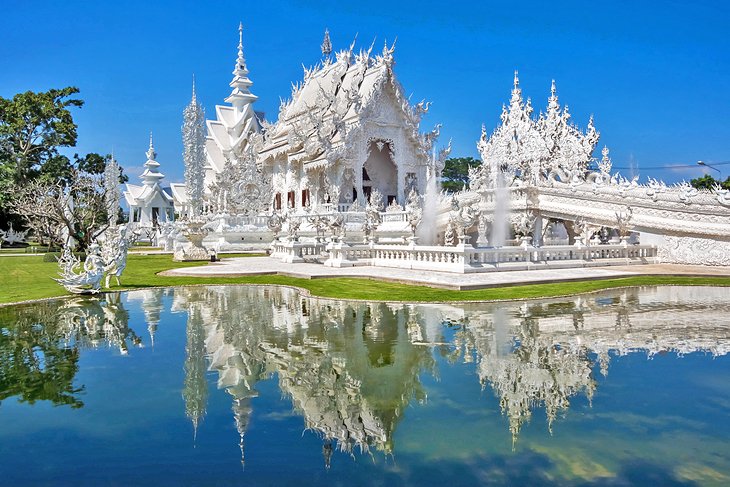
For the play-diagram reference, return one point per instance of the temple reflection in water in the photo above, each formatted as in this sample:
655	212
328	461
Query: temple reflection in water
351	368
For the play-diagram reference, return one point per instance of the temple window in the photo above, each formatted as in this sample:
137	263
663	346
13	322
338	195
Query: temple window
290	199
277	201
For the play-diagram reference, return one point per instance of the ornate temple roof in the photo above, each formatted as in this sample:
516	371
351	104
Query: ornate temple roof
229	134
334	96
140	195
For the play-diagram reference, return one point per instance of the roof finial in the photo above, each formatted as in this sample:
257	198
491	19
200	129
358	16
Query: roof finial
517	79
552	89
151	145
240	35
326	44
194	97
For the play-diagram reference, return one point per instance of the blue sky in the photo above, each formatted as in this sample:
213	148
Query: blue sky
656	75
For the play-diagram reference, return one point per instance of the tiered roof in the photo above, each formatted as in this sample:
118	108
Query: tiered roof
333	98
229	134
139	195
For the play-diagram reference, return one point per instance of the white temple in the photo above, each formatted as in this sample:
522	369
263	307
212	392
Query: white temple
149	203
539	199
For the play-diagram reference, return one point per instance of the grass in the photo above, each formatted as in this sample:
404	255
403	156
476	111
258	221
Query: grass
27	278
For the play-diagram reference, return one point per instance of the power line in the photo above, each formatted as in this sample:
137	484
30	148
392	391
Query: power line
674	166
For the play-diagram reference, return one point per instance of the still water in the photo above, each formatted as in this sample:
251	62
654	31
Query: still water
227	385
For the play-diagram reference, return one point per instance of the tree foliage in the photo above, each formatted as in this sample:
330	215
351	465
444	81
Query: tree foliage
32	128
35	178
456	172
708	182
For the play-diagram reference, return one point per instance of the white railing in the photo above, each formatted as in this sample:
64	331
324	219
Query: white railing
468	259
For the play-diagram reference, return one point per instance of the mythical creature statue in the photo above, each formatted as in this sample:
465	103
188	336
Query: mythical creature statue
293	228
524	224
336	224
623	221
12	236
462	216
318	221
723	195
450	234
372	214
86	281
114	253
414	211
275	223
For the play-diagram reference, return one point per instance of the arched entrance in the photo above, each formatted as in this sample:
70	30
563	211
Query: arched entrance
379	171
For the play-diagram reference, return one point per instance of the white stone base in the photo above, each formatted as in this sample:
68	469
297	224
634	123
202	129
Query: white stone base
690	250
188	254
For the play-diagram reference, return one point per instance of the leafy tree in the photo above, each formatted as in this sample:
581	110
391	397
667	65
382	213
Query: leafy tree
456	172
708	182
32	128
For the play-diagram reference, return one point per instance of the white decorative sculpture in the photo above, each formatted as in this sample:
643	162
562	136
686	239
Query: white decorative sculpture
114	253
12	236
372	215
414	214
195	231
193	132
112	194
523	225
77	281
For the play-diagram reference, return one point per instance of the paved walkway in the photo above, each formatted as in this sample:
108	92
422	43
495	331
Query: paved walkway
251	266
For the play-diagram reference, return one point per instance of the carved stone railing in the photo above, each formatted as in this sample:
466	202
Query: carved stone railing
464	259
293	251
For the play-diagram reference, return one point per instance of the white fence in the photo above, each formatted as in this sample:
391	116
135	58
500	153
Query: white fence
463	258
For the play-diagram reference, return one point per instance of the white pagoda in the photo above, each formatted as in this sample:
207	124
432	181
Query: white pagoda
149	203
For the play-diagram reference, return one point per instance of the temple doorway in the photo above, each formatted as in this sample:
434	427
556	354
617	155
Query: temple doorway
379	171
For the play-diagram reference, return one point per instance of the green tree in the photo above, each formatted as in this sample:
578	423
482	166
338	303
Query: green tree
32	128
456	172
708	182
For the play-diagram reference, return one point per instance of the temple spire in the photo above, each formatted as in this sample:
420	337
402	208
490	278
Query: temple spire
240	39
151	174
241	95
326	44
553	105
151	154
516	91
194	98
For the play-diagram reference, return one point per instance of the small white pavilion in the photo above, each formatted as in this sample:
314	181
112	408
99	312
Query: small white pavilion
149	203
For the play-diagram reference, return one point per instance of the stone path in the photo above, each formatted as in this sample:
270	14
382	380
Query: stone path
251	266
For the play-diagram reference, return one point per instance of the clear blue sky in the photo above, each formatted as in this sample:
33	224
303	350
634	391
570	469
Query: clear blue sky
656	75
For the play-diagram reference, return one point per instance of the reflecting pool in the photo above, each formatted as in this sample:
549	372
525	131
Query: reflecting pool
226	385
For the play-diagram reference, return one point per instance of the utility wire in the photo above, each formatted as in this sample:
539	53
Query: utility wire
709	164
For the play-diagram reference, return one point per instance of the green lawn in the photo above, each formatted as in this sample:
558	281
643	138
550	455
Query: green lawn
26	278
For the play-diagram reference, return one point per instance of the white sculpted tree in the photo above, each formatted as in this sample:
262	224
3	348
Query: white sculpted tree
112	195
66	212
193	134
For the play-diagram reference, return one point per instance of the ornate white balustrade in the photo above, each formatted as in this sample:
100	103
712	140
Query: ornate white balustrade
463	258
293	251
